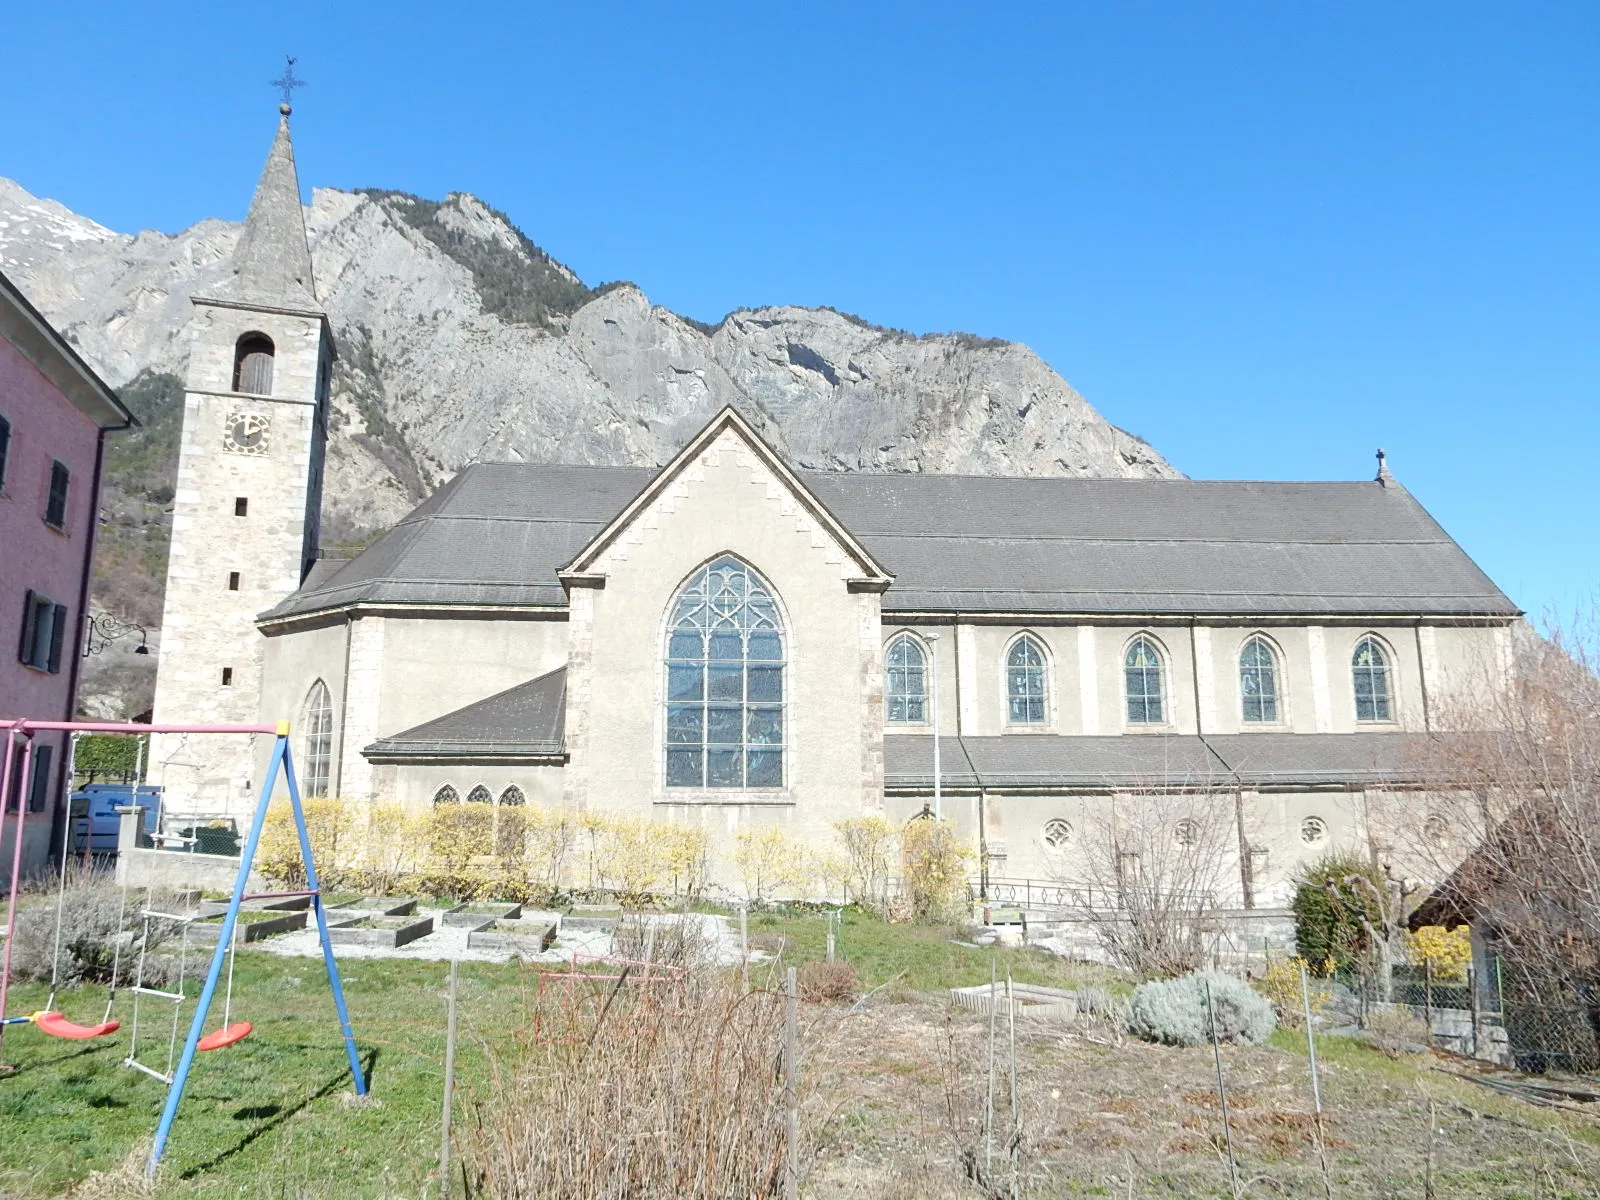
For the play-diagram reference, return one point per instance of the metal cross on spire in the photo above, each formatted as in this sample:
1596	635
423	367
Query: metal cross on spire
287	83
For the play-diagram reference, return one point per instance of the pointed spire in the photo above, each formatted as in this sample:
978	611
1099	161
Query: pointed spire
272	262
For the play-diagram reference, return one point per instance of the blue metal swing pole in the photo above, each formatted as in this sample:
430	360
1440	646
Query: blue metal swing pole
280	755
315	888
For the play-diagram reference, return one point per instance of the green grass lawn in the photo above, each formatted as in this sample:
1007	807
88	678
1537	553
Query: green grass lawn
268	1116
922	958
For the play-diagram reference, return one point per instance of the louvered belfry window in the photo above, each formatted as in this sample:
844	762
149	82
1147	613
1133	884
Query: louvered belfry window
252	365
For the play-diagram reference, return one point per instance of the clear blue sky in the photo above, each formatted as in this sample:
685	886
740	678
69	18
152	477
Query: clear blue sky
1267	237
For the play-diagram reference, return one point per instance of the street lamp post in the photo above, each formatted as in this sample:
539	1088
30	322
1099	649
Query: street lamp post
938	796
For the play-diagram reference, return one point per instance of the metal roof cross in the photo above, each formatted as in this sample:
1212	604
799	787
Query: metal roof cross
287	82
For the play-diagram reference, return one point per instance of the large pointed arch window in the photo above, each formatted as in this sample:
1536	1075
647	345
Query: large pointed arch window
1141	671
1369	669
907	681
1258	682
1025	683
318	740
725	686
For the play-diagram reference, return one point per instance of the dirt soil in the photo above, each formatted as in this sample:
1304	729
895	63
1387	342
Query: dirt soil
896	1097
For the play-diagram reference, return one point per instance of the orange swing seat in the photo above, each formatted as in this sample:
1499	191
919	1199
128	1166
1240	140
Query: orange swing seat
57	1025
225	1036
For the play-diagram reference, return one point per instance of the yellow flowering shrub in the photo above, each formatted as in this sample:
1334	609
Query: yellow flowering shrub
1446	951
1281	985
329	822
935	862
769	861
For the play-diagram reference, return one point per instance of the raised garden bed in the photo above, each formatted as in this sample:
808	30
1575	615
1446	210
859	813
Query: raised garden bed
481	915
592	916
388	932
526	938
1027	1000
384	906
253	923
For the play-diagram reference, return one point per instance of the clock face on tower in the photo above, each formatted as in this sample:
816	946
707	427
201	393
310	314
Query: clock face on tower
246	433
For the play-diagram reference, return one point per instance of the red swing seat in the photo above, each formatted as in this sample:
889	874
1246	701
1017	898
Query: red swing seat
225	1036
57	1025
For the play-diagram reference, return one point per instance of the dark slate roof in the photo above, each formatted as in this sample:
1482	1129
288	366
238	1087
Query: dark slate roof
497	533
1134	760
527	721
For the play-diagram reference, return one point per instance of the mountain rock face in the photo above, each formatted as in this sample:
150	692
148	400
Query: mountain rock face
460	340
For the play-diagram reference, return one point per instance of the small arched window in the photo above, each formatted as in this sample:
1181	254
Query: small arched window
446	795
252	365
1025	683
1258	681
1369	669
907	682
317	744
480	795
510	823
1141	670
725	681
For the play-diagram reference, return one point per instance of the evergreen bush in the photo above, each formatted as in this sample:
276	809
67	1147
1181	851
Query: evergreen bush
1328	930
1175	1011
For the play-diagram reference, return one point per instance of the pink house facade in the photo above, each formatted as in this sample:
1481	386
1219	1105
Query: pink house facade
54	415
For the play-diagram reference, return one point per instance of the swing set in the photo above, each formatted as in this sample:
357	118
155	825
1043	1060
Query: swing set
51	1021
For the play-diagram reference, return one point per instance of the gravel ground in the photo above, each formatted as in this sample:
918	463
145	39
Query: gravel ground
444	943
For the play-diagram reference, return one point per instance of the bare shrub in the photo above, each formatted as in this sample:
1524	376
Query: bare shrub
666	1090
1150	875
93	921
675	940
820	982
1396	1032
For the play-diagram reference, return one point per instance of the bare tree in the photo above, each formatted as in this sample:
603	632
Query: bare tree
1524	798
1150	874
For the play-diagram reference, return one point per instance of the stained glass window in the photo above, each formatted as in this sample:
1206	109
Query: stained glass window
1369	667
1025	692
1258	681
725	687
907	682
1141	669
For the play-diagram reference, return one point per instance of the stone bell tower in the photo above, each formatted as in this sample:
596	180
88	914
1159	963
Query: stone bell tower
249	491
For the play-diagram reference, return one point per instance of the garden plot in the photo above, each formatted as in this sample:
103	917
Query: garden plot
380	931
253	924
526	938
480	915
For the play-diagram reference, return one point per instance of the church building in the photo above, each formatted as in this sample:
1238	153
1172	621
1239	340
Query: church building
729	641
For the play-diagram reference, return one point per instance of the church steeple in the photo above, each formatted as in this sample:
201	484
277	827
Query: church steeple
272	262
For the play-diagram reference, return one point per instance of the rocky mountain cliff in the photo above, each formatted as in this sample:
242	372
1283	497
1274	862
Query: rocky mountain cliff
459	340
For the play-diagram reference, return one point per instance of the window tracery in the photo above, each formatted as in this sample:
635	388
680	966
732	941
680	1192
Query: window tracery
725	681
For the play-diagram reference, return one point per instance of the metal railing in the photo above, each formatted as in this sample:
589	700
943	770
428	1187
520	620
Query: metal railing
1053	894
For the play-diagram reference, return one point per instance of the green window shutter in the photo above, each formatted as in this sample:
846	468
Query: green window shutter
58	631
40	789
25	646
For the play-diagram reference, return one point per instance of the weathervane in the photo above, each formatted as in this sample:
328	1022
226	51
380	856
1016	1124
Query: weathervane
287	82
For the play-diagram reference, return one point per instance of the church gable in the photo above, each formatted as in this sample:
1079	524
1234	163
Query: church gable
728	441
